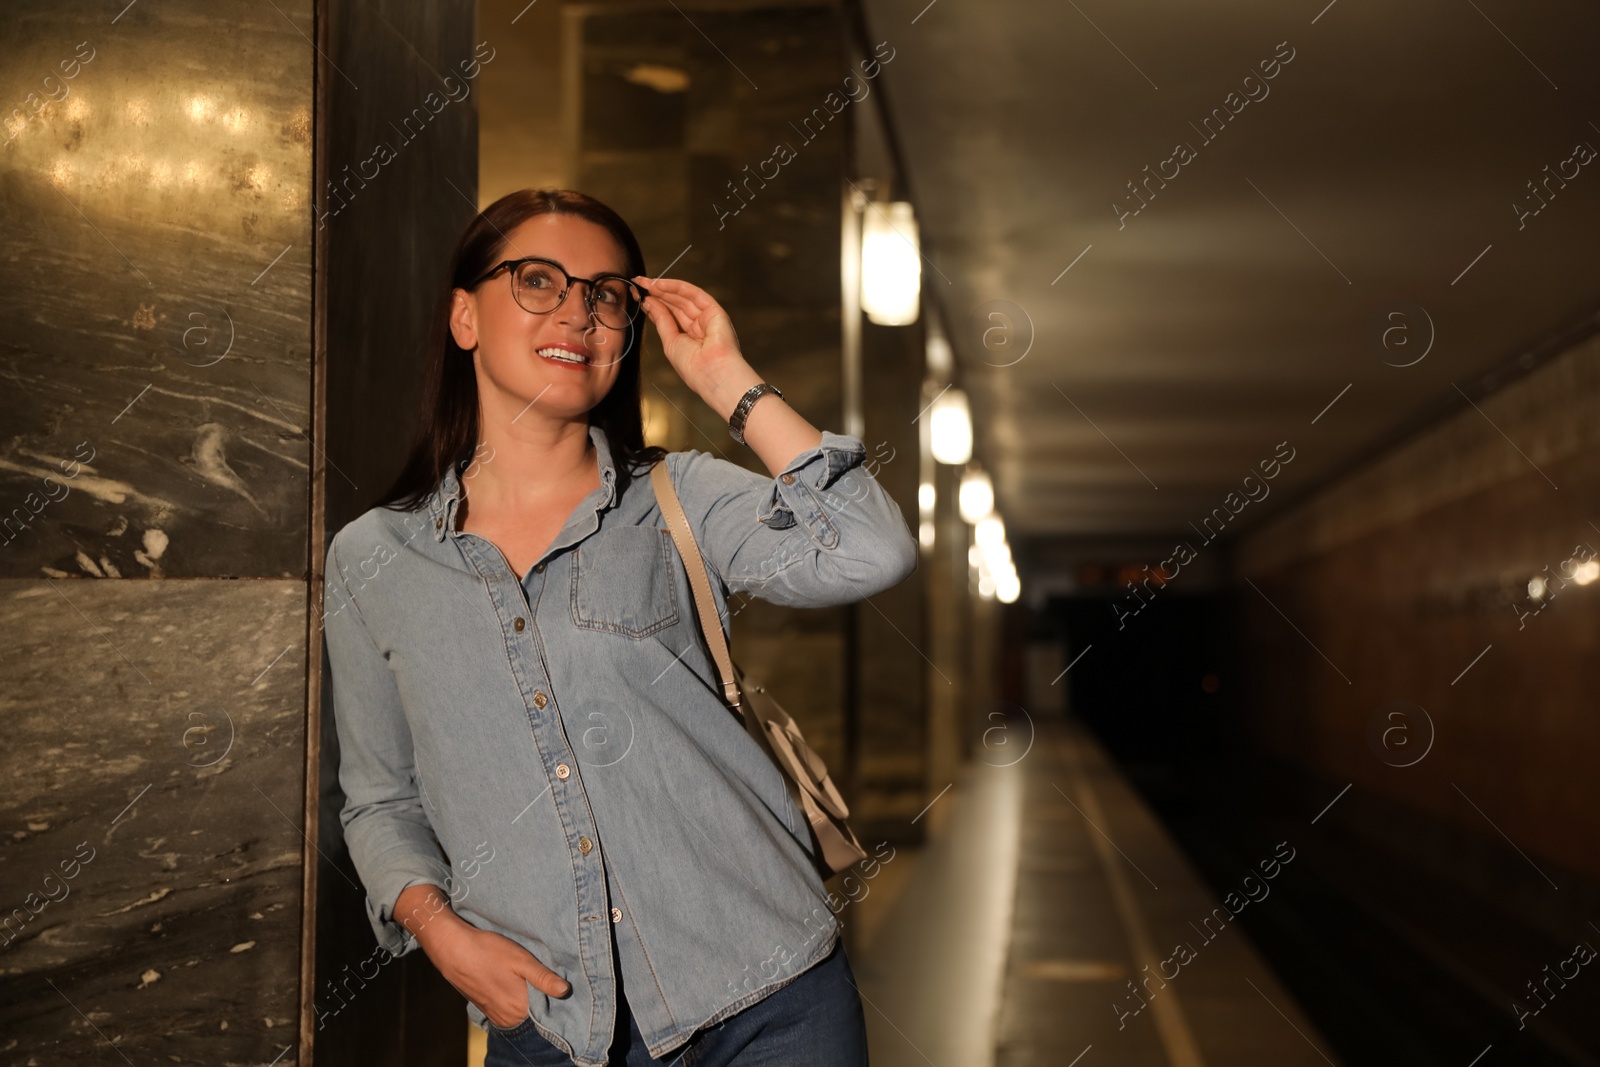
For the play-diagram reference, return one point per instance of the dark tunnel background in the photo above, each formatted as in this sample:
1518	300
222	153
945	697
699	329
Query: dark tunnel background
1386	978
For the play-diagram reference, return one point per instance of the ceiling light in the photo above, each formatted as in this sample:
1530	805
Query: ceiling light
990	532
891	264
976	498
951	428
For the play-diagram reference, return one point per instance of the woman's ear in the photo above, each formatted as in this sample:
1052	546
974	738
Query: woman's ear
464	319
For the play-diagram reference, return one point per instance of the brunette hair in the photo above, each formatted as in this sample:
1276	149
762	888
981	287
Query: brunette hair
447	424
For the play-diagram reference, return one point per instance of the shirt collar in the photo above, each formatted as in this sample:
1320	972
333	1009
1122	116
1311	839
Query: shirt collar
448	494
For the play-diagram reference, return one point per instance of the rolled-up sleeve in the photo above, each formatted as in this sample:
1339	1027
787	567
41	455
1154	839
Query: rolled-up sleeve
822	532
390	839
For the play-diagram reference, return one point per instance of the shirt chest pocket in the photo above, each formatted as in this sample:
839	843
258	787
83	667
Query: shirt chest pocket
622	582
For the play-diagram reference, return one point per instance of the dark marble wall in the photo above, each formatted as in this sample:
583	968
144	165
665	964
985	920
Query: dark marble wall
155	291
155	295
399	184
1411	577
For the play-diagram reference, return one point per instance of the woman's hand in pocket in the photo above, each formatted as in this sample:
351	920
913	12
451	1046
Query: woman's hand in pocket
493	972
487	968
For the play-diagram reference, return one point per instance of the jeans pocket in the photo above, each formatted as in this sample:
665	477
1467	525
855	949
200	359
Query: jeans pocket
623	582
522	1046
511	1031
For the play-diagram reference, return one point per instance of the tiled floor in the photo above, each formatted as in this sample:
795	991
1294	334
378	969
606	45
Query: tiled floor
1051	920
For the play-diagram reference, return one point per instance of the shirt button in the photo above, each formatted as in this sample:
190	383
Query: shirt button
788	479
585	845
616	915
540	700
438	524
538	568
519	623
562	771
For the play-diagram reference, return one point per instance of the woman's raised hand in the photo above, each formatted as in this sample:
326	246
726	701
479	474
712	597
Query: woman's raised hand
696	333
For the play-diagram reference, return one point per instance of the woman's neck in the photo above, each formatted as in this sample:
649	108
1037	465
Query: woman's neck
528	462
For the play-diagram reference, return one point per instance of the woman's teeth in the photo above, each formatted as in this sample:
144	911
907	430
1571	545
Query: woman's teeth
563	355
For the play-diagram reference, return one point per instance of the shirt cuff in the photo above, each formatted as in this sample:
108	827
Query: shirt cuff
391	933
817	468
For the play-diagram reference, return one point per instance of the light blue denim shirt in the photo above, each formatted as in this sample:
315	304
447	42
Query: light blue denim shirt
490	728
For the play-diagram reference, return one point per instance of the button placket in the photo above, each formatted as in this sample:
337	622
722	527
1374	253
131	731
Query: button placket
571	806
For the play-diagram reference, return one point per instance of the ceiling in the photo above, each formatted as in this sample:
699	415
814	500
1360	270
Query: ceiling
1375	174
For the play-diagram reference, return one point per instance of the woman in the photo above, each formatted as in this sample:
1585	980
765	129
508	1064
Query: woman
545	789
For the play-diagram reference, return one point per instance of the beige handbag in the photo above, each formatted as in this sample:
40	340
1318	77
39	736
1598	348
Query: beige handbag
835	844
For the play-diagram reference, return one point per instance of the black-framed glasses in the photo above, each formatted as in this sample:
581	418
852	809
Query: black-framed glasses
541	285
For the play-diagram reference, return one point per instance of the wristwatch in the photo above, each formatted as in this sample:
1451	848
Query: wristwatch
741	411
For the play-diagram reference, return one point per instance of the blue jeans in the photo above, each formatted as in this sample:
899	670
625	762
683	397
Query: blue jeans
815	1019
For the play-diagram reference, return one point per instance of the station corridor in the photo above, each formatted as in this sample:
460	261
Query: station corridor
529	521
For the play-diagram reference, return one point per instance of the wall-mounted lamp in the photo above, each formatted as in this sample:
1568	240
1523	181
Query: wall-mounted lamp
891	264
976	496
951	425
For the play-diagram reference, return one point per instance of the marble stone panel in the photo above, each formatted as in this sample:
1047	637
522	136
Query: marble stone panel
155	183
150	829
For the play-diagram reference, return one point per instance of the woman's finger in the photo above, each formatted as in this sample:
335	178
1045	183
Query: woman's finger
661	315
545	980
686	316
689	291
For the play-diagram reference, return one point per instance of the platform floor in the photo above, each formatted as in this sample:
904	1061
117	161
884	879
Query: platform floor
1050	919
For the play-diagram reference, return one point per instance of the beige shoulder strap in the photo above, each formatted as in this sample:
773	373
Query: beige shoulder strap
705	603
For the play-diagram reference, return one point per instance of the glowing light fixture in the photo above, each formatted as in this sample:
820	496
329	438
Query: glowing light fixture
1586	572
951	428
976	499
891	264
990	533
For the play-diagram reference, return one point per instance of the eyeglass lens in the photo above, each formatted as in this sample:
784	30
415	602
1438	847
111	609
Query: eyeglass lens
540	288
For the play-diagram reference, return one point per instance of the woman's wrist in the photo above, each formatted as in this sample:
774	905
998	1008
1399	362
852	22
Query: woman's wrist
425	911
727	386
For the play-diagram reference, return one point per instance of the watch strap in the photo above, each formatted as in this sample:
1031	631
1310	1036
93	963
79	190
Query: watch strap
741	411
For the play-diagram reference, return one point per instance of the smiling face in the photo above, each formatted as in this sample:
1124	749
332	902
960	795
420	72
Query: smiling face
518	354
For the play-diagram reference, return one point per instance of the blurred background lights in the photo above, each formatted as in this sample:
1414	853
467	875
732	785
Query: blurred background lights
951	428
1586	572
200	108
138	111
891	264
1536	587
976	497
989	532
77	109
236	120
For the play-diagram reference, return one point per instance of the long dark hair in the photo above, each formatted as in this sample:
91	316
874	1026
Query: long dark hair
447	424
